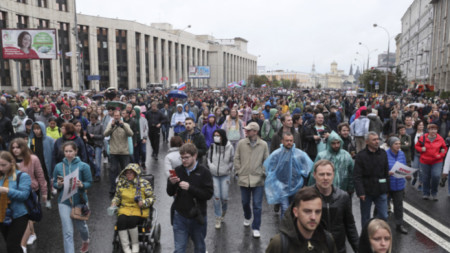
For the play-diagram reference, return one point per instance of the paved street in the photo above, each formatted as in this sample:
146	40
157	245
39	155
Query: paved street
233	237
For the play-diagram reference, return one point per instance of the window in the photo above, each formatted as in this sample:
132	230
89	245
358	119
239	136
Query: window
42	3
62	5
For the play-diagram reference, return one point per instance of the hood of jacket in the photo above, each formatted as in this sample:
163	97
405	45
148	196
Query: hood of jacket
372	116
225	109
132	166
223	136
23	111
333	137
273	111
41	126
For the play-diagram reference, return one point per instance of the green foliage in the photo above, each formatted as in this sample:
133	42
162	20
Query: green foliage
319	86
396	81
445	94
258	80
430	94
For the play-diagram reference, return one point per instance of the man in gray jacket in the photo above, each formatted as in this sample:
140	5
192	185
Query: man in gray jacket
248	164
359	128
118	147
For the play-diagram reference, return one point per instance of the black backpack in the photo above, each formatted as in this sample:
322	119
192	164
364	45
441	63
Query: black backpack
32	203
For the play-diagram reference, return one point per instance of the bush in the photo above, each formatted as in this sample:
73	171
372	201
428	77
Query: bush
430	94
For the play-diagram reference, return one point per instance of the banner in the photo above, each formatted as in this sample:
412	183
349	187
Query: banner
70	185
29	43
199	72
400	170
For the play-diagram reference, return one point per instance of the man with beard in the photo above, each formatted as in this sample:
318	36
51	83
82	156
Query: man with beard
300	230
315	136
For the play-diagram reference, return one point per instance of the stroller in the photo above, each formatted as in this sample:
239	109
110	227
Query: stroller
149	230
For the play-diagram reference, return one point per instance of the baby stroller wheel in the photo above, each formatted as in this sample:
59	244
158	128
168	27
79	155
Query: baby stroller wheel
157	234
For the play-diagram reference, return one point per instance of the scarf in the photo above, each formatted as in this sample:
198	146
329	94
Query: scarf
4	201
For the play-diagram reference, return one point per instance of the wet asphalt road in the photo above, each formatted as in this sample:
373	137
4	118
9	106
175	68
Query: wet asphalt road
233	236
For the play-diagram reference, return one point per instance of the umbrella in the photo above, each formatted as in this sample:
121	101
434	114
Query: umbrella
158	88
116	104
216	91
98	96
177	94
418	105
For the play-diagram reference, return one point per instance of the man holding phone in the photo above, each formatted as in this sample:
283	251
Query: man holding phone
191	184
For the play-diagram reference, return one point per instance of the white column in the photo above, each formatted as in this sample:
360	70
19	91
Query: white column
93	56
166	60
185	64
159	73
172	78
131	59
112	57
151	58
142	61
179	72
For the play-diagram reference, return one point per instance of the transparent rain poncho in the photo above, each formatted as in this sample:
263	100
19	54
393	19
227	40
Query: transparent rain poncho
286	172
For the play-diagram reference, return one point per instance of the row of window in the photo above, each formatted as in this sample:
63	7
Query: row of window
62	4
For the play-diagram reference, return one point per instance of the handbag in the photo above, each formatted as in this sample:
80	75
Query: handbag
79	212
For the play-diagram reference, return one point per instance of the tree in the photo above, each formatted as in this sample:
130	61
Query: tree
396	81
318	86
258	80
285	83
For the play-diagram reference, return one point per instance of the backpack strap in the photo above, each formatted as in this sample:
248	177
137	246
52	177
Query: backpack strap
284	243
18	179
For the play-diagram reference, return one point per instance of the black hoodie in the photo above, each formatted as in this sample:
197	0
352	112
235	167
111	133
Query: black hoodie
6	127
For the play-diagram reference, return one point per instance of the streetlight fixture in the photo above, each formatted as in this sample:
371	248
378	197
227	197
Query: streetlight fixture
387	56
368	52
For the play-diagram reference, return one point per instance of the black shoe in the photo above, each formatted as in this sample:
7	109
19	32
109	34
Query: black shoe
276	208
414	181
112	193
401	229
96	179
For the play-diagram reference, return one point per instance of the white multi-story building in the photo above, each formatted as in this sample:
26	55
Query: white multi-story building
440	51
124	53
414	42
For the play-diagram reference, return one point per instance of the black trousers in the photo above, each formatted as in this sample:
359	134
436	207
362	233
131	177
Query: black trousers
153	135
397	199
128	222
13	234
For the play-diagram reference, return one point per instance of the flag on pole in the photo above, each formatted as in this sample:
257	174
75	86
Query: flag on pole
263	86
182	86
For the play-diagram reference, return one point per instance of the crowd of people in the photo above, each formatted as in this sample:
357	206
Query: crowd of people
309	152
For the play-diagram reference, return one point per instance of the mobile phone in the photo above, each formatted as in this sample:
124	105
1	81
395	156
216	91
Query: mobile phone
173	173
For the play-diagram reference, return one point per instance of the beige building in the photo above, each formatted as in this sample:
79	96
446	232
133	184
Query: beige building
123	53
440	52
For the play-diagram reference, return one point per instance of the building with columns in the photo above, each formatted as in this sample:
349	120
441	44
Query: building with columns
125	54
440	51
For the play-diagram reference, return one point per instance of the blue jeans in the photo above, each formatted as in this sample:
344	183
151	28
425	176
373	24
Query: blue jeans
183	228
165	131
98	161
416	165
246	195
284	205
380	204
430	177
221	186
67	228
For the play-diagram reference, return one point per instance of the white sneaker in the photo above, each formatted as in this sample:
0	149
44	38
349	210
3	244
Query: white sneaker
48	204
246	222
31	239
256	233
54	191
218	222
24	249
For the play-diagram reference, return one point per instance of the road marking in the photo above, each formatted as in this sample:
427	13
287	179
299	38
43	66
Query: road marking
427	232
445	230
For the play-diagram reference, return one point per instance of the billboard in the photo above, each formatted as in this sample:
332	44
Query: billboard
199	72
29	43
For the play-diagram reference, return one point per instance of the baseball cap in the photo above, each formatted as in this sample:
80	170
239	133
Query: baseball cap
252	126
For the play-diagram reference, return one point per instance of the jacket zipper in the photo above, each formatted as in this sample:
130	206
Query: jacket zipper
328	212
218	164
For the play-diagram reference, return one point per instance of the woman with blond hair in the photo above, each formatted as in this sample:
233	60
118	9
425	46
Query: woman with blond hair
376	237
14	189
234	127
30	164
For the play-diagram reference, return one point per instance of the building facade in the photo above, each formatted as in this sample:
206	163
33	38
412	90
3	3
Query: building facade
440	52
125	54
385	62
414	42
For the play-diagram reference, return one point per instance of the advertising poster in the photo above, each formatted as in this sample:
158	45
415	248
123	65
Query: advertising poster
199	72
29	43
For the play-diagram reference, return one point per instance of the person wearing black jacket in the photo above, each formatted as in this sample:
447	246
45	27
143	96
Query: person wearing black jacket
6	127
390	127
337	216
192	187
255	118
288	126
195	136
155	120
315	136
371	177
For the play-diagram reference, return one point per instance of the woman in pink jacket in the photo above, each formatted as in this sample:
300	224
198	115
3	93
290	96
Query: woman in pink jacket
31	165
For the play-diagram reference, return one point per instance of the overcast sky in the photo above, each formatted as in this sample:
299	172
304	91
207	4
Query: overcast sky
286	34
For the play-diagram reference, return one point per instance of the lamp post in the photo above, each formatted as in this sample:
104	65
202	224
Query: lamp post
368	53
387	56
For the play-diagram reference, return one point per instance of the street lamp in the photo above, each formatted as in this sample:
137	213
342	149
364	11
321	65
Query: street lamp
387	56
368	52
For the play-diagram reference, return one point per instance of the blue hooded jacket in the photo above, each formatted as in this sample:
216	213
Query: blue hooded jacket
208	131
83	120
191	114
47	143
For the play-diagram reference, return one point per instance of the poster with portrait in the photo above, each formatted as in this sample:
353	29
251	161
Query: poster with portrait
401	171
29	43
70	185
